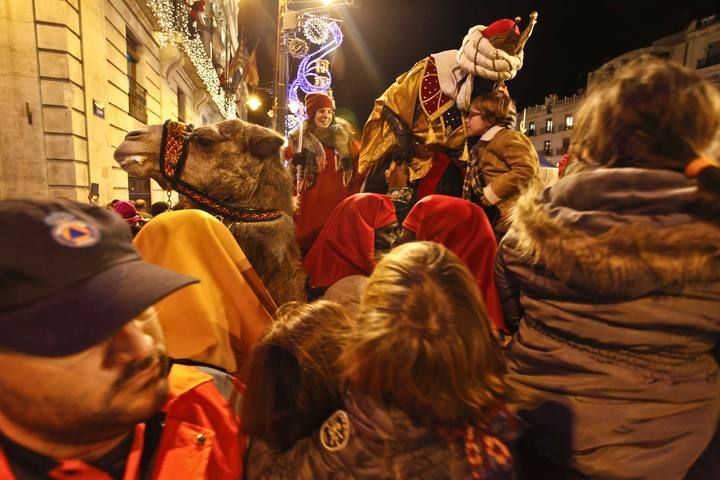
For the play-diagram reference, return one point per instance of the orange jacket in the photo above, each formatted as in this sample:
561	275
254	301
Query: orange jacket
201	438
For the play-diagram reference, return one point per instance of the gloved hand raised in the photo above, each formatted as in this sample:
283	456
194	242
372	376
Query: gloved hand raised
299	158
403	149
404	146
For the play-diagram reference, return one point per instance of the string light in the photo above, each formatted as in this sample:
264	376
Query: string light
316	30
173	20
298	47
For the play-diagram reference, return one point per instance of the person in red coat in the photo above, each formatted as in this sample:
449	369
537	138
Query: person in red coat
347	244
325	168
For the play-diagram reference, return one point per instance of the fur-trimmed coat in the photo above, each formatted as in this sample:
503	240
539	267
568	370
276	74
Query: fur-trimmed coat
617	289
328	176
336	139
503	163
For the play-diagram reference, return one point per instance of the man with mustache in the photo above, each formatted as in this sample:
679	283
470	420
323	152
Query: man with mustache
86	388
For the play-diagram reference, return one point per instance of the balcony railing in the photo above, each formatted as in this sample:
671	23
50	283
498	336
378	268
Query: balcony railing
708	61
137	97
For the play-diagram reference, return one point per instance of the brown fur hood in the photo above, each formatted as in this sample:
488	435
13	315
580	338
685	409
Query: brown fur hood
622	231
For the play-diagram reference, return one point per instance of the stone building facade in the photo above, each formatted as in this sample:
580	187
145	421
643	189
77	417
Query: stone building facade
77	75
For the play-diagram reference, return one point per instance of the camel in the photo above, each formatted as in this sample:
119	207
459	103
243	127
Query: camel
232	169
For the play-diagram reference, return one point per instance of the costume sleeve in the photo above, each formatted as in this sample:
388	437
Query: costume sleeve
400	97
518	152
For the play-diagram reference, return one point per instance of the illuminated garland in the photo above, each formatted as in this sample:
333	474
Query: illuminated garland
308	69
298	47
204	67
316	30
173	18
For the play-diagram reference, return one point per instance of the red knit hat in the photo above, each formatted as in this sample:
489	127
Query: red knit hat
317	100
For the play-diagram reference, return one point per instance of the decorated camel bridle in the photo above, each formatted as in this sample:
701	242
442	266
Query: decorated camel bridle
174	146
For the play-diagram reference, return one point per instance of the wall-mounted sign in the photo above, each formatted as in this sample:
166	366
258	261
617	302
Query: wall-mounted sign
98	109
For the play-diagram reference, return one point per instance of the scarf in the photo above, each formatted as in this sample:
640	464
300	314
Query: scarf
474	182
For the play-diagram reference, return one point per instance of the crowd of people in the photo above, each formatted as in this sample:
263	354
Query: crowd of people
463	322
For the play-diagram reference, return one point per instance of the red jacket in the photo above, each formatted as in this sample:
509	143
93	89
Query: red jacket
317	203
201	438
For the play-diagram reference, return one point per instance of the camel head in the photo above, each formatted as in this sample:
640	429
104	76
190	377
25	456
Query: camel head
232	161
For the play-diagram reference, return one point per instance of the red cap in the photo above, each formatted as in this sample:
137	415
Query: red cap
503	34
499	27
317	100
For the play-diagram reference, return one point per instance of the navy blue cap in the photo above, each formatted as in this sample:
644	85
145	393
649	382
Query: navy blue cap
70	276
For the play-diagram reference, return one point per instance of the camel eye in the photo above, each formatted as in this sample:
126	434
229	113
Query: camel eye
203	142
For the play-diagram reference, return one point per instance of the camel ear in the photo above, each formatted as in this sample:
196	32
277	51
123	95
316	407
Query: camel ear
263	142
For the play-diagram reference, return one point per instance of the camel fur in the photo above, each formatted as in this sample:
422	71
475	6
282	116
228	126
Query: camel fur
240	163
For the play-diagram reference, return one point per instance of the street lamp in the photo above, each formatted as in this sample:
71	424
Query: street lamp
253	102
287	20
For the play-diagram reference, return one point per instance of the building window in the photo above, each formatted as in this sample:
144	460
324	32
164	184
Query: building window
713	56
568	121
714	49
182	105
548	125
531	129
137	95
546	148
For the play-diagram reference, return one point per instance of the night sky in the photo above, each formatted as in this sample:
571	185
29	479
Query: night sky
384	38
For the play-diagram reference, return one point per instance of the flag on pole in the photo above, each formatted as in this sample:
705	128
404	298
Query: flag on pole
239	59
251	76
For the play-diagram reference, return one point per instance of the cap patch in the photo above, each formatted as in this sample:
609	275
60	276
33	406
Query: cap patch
335	431
75	234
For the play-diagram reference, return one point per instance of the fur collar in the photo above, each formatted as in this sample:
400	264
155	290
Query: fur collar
314	140
490	133
335	136
619	232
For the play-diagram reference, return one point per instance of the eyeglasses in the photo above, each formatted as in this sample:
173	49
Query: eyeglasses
470	114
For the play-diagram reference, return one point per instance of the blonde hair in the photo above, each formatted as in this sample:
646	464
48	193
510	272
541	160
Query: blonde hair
423	342
654	114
